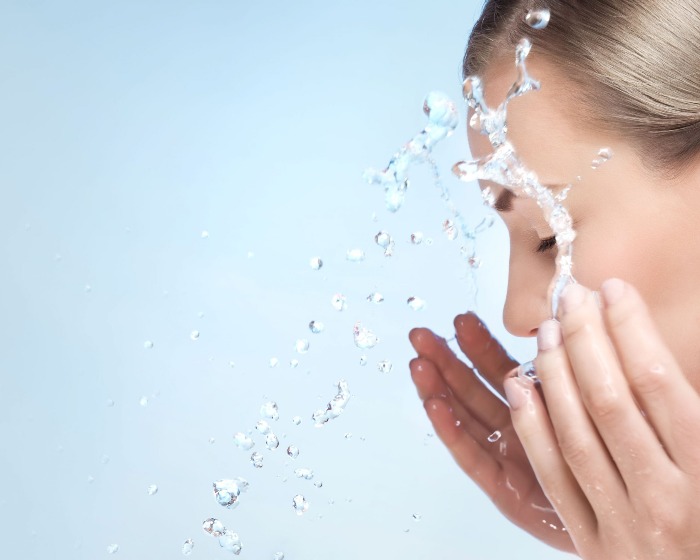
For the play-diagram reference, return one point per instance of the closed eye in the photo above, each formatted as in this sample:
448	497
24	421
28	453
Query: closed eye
546	244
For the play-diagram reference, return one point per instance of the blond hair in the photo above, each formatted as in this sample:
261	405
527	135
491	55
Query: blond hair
633	64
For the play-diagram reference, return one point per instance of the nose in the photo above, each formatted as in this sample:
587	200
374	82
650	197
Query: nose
526	300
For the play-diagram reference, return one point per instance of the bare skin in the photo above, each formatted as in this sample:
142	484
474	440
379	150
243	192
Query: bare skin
622	482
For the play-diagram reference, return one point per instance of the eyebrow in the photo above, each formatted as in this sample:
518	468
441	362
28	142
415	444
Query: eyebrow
504	202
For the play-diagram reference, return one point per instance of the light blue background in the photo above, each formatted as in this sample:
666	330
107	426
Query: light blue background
129	128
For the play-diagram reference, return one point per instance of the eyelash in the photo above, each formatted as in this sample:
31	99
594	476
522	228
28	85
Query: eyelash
546	244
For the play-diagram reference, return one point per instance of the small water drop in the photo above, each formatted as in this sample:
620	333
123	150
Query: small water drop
257	460
205	234
293	363
272	441
450	230
232	364
228	540
375	297
488	197
363	360
363	337
417	237
474	262
263	427
279	556
152	490
538	19
306	474
293	451
301	506
143	401
296	420
316	263
148	345
318	484
495	436
110	403
88	288
339	302
187	547
384	366
112	548
355	255
213	526
194	335
226	493
105	459
301	346
316	327
417	517
90	479
270	410
242	441
273	362
212	440
416	303
383	239
348	435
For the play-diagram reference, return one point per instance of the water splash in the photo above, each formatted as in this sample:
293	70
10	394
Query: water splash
363	337
270	410
213	526
301	506
243	441
335	407
226	493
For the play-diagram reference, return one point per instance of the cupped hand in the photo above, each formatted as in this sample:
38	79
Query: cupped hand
616	449
467	415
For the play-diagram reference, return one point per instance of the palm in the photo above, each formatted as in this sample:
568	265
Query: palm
466	416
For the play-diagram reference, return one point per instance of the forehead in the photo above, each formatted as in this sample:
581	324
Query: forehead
543	126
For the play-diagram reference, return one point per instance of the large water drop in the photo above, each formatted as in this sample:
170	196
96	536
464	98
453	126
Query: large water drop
293	451
301	506
226	493
257	460
538	19
230	541
316	327
213	526
243	441
363	337
316	263
339	302
270	410
272	442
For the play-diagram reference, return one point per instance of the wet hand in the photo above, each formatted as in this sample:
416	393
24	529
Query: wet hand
467	415
625	483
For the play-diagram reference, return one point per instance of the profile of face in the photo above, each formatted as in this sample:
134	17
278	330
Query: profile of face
631	221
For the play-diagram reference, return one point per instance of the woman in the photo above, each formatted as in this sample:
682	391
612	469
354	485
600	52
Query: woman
603	458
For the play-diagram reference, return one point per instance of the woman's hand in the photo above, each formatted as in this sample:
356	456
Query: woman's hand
626	483
464	413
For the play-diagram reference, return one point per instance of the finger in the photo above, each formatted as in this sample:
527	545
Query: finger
430	384
468	452
486	354
463	383
579	441
539	441
604	390
670	402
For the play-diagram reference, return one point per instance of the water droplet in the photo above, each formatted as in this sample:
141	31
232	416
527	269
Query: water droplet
450	230
318	484
242	441
148	345
88	288
415	303
442	112
274	362
272	442
228	540
90	479
301	346
112	548
293	451
363	337
250	254
105	459
257	460
270	410
213	526
384	366
293	363
205	234
143	401
383	239
194	335
363	360
417	517
495	436
296	420
417	237
474	262
538	19
232	364
212	440
375	297
306	474
335	407
152	489
339	302
301	506
316	327
187	547
488	197
110	403
279	556
355	255
348	435
226	493
263	427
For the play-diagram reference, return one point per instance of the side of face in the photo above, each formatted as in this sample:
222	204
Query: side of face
630	223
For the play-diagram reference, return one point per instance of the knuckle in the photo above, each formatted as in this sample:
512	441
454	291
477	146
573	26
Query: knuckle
575	449
649	377
603	403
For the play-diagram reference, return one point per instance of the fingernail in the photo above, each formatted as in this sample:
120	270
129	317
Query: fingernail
613	289
517	392
548	335
572	297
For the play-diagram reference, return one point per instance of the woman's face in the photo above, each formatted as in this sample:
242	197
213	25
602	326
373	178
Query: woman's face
630	223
